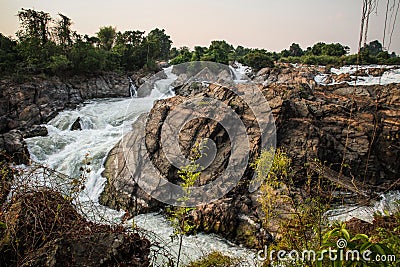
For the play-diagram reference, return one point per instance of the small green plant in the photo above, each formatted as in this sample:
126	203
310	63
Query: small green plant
296	220
390	234
216	259
179	216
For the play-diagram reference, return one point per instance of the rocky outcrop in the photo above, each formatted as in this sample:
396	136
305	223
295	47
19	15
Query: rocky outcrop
123	169
352	126
121	191
42	228
351	130
35	130
148	126
24	106
76	126
13	148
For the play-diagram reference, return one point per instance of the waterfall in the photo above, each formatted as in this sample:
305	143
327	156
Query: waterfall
132	88
103	123
240	72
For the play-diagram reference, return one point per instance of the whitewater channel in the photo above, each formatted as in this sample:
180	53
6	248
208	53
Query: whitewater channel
103	122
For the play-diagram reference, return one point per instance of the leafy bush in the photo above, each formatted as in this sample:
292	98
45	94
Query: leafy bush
59	64
257	59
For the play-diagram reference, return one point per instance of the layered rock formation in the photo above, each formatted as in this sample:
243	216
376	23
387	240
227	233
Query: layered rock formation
39	100
341	125
353	131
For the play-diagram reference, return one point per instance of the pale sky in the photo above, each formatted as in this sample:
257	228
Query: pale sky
269	24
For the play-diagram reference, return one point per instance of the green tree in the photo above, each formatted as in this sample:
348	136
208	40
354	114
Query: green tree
86	58
241	51
8	54
374	48
59	64
159	44
257	59
131	49
220	52
106	37
198	52
336	50
183	55
295	50
316	49
63	31
34	25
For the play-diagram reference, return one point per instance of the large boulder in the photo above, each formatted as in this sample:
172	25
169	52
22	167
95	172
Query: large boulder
352	130
123	169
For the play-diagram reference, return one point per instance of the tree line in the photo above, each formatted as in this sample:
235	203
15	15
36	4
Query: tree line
46	45
50	46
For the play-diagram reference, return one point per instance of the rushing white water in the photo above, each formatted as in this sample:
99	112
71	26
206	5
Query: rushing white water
391	75
103	122
132	88
388	204
240	72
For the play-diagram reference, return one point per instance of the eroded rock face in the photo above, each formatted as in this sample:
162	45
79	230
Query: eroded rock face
121	191
24	106
340	124
122	172
354	125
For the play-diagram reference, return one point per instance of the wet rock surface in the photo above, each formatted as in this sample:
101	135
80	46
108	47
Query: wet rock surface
76	126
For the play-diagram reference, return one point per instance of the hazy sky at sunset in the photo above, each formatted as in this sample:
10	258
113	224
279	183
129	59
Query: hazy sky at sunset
269	24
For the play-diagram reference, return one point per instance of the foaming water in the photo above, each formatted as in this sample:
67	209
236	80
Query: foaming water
103	122
388	204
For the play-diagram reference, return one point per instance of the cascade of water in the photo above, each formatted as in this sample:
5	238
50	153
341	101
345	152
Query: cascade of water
103	123
132	88
240	72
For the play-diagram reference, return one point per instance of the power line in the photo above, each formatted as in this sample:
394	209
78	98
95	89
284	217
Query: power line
384	29
394	23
